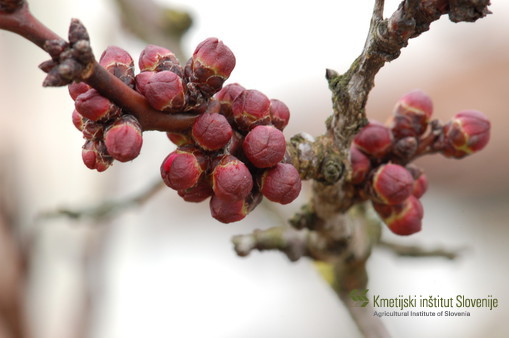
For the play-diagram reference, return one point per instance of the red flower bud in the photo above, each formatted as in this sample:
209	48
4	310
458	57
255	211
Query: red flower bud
211	64
77	120
468	132
95	156
420	186
227	211
264	146
182	169
406	147
229	93
281	183
402	219
412	114
226	96
124	138
279	113
95	107
251	108
361	165
231	179
118	62
211	131
165	91
200	192
391	184
92	130
77	88
141	81
375	139
155	58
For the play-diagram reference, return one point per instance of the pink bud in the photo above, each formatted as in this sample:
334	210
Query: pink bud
155	58
361	165
95	107
211	131
165	91
95	156
279	113
468	132
264	146
412	114
375	139
211	64
402	219
391	184
182	169
281	183
231	179
251	108
124	138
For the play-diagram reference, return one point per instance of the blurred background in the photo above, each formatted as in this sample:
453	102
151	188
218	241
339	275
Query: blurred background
166	268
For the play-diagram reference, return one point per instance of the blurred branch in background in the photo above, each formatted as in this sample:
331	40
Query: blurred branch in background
13	265
155	24
417	251
106	210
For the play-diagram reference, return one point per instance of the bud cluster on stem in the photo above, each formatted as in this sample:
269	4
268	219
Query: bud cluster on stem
380	157
235	149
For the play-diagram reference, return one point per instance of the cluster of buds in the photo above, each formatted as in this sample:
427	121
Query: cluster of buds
381	154
110	133
234	153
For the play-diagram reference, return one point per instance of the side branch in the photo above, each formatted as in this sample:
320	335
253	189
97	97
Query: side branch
74	61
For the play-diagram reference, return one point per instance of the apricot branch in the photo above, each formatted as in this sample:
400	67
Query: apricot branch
75	62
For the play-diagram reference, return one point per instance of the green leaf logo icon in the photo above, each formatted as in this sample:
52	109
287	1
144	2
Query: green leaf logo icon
360	297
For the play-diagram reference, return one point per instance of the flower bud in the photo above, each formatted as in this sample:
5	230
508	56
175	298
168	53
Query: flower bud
279	114
211	131
406	147
466	133
227	211
182	169
200	192
412	114
92	130
281	183
231	179
155	58
211	64
95	107
391	184
77	88
264	146
78	120
402	219
375	139
120	63
141	81
165	91
251	108
124	138
361	165
420	186
226	96
95	156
